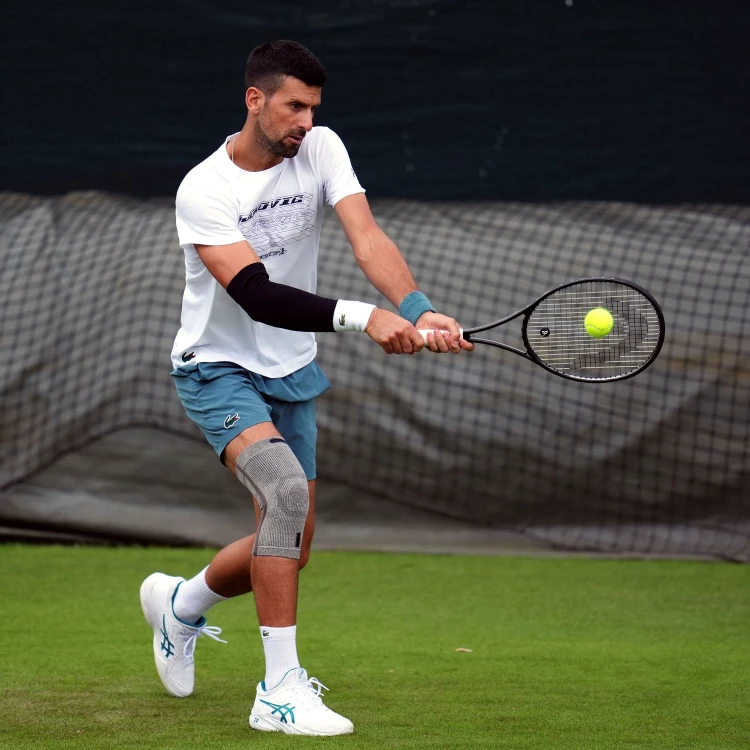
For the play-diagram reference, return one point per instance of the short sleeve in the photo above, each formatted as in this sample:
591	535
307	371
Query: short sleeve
339	179
206	217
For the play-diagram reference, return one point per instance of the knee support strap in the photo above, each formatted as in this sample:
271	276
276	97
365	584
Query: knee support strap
271	471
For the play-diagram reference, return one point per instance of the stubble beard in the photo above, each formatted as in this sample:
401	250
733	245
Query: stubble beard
277	148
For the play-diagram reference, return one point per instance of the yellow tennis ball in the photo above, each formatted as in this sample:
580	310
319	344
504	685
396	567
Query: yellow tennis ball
598	322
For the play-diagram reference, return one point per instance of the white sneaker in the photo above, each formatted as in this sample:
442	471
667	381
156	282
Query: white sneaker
295	706
174	640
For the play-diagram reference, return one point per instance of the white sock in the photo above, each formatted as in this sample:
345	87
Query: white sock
280	647
193	598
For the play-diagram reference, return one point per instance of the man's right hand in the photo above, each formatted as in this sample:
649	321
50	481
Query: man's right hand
394	334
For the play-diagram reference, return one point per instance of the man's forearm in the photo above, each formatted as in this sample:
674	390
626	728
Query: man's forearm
385	267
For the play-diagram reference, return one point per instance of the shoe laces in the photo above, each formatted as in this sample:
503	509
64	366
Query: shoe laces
212	631
312	690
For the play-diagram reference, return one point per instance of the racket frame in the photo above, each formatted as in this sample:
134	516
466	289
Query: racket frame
468	333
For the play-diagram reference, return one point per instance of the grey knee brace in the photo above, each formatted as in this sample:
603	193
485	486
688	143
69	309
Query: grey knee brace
271	471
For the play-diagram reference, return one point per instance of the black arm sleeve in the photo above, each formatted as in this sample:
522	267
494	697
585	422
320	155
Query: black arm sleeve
280	305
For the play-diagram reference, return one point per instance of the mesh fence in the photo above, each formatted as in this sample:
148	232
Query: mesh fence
90	289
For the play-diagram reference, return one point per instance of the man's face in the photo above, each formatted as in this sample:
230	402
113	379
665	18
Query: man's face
286	117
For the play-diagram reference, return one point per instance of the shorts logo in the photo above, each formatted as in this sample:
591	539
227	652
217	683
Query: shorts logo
231	420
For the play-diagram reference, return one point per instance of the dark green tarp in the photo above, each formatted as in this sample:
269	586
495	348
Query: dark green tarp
536	100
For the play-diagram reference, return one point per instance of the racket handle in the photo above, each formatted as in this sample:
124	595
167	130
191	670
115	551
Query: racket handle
425	331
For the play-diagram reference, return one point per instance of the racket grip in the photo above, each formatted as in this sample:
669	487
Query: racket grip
425	331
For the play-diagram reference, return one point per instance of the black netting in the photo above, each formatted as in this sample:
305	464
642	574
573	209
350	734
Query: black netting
90	290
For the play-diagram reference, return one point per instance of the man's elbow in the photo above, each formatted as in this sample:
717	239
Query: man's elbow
371	246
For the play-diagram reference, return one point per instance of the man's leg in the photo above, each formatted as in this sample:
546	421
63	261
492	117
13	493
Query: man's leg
228	575
286	700
265	464
230	572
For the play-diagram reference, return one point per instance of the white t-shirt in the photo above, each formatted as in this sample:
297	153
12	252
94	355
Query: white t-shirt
279	212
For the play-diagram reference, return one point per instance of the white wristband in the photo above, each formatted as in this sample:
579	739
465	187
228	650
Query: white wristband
351	316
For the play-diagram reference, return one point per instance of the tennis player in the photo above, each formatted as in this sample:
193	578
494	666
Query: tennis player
248	221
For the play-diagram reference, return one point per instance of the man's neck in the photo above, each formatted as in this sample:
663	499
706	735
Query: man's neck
248	154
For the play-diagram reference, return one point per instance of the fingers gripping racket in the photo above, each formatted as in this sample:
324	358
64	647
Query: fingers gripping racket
591	330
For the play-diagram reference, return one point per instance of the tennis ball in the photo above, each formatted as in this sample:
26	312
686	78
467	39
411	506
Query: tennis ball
598	322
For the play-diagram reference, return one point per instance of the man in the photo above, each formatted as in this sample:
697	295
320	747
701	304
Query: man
249	220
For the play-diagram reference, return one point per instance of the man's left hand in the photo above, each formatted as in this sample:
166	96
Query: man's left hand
437	341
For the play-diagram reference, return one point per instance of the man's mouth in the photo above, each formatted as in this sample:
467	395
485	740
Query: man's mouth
296	138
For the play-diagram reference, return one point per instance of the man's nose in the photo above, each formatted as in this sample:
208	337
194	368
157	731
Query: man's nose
306	121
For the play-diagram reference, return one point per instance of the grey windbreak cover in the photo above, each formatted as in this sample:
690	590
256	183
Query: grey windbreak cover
90	291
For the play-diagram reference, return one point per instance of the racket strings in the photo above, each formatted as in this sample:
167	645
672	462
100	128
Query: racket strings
557	336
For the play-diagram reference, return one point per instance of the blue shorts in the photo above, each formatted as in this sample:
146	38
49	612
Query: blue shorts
224	399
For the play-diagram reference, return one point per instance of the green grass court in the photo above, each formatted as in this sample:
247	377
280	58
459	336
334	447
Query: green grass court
566	653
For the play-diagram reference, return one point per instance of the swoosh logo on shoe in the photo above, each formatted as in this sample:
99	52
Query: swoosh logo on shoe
284	711
166	645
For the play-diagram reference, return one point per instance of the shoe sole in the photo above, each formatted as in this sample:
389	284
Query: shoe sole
265	724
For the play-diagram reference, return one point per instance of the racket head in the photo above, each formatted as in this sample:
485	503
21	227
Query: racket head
555	337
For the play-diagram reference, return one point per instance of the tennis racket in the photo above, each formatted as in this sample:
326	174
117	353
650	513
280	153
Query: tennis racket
556	338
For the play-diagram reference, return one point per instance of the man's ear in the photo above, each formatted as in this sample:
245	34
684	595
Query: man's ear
254	99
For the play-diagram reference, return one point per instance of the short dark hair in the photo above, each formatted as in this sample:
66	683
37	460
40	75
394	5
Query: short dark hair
270	62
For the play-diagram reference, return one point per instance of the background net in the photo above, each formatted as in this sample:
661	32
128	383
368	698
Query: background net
90	289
